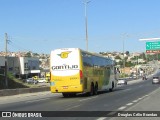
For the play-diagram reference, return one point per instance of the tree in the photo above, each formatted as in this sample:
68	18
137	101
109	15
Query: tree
28	54
120	63
142	56
127	53
129	64
117	57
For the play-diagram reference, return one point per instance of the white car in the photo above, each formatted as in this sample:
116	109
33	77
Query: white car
122	82
42	80
156	80
134	76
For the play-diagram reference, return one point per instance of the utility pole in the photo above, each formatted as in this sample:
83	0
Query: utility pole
124	36
123	59
86	22
6	42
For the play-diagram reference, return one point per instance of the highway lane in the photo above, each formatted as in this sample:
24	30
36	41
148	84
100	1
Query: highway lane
122	98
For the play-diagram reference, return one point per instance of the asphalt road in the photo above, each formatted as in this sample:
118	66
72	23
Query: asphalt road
122	98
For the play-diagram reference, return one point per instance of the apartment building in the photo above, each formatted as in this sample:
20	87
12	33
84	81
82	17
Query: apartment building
22	67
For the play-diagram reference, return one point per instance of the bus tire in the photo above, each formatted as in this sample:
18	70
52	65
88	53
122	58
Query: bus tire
72	95
111	89
96	89
91	90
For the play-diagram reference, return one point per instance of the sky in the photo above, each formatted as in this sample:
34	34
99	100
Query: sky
44	25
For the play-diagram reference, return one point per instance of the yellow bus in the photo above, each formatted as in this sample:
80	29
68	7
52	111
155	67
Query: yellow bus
76	71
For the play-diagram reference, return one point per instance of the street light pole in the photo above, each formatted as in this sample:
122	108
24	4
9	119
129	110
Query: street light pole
123	58
124	36
6	42
86	22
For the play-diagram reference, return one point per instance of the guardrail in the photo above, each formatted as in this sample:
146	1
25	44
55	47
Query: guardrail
9	92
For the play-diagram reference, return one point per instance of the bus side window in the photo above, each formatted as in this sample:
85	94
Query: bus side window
87	60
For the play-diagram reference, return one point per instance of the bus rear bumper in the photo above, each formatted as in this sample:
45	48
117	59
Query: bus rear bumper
62	89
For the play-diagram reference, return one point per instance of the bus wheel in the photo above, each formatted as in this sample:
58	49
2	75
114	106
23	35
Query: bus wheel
92	90
72	95
111	89
96	89
65	94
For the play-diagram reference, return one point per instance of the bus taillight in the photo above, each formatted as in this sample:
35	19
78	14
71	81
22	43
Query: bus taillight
81	74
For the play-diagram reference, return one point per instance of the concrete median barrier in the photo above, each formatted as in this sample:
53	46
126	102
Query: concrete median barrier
9	92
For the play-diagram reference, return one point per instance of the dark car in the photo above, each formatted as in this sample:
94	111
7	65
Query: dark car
31	81
156	80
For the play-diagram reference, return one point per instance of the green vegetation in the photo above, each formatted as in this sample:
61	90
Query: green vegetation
14	83
123	75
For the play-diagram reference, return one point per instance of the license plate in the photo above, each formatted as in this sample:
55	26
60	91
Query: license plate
65	87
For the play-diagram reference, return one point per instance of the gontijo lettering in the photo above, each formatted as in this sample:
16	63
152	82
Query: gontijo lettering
64	67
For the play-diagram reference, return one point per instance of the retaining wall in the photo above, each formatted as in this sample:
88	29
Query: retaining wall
8	92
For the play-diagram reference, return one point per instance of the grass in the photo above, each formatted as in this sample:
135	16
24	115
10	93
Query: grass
14	83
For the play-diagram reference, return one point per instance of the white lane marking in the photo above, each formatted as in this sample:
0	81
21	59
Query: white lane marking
87	99
135	101
72	107
121	108
101	118
145	98
146	95
129	104
140	98
37	100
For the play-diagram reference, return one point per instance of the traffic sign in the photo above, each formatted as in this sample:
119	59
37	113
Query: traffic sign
153	45
152	51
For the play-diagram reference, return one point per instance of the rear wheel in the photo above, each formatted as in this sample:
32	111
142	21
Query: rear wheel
72	94
91	90
96	89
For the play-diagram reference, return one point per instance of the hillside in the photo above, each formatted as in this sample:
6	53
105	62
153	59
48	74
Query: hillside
14	83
